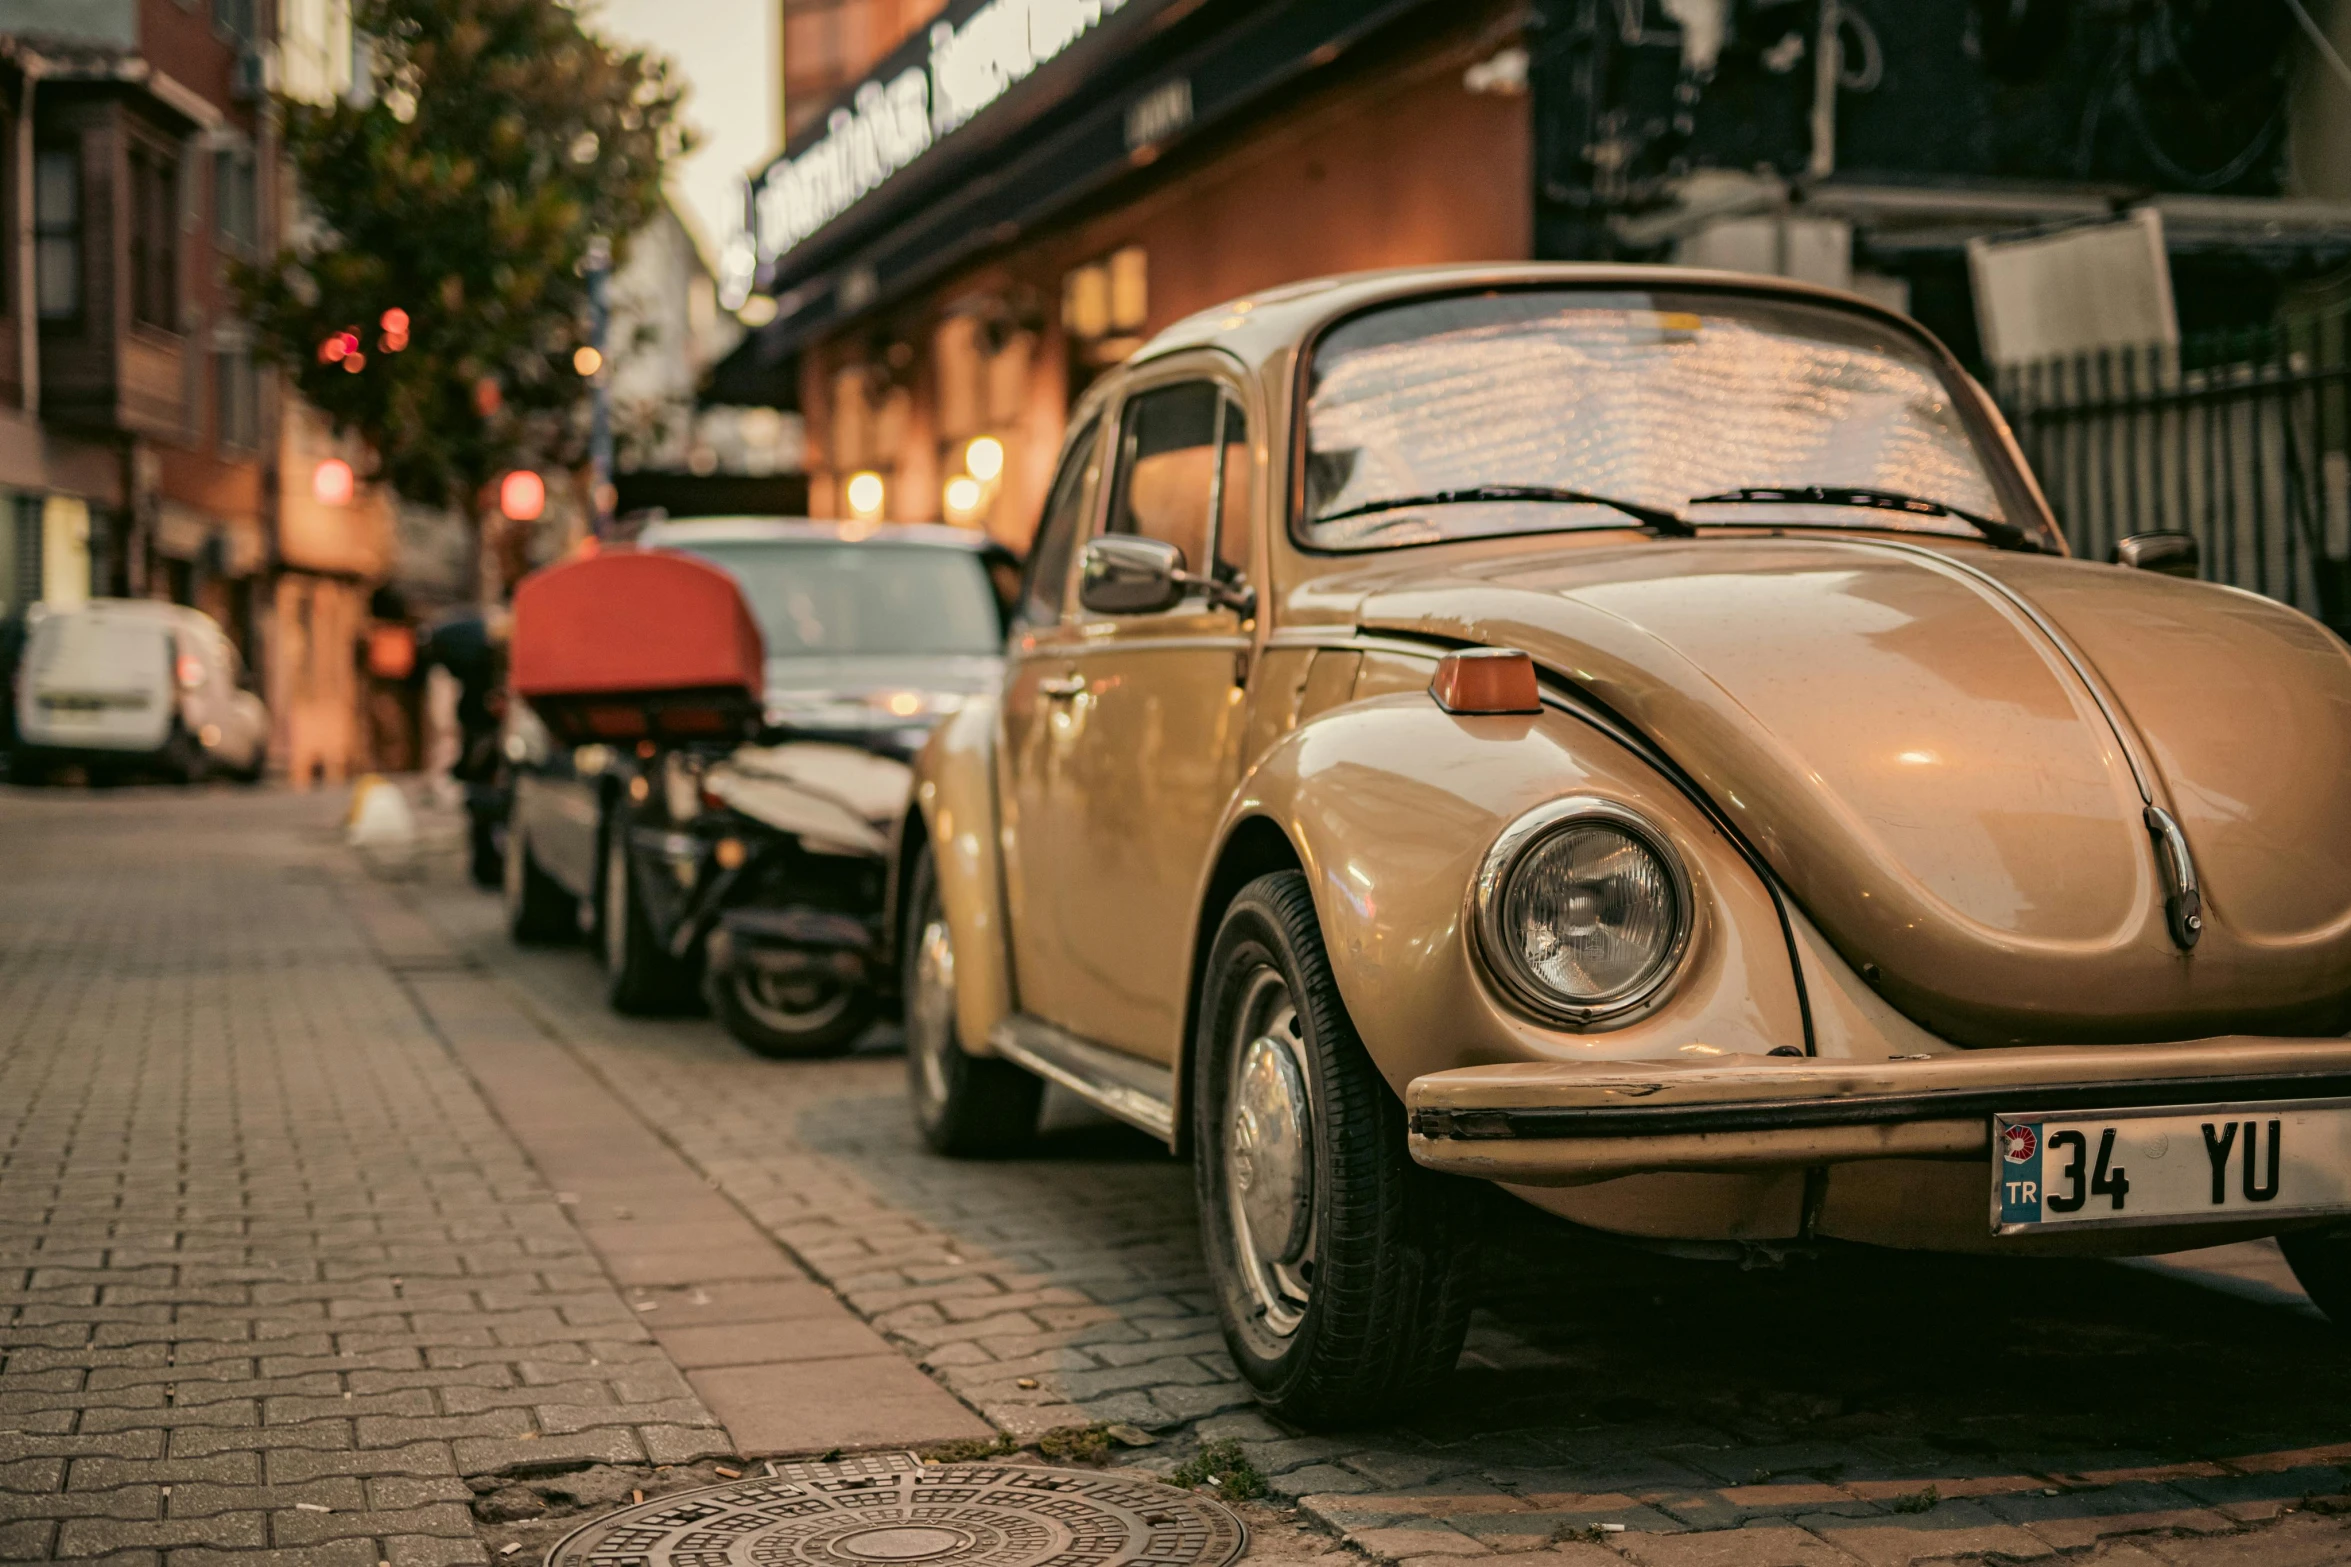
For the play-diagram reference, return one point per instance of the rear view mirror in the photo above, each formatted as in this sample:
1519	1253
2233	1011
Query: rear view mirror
2171	553
1126	575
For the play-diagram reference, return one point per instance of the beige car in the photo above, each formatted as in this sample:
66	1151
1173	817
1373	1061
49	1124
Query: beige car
1633	737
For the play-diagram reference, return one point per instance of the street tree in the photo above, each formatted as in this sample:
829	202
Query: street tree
434	296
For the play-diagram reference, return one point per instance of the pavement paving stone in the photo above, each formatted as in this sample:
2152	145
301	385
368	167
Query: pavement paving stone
1945	1530
2073	1519
28	1540
851	1402
1753	1545
247	1197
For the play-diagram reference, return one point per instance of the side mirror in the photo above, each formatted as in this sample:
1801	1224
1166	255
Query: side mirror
2168	552
1126	575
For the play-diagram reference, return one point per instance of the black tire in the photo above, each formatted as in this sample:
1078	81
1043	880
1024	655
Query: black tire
185	758
966	1106
27	769
485	858
1356	1296
640	977
789	1022
2321	1260
538	911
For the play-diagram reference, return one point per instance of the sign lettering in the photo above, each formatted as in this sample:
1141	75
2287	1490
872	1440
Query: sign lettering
888	125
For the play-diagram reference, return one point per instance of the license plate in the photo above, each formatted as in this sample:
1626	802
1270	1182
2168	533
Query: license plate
2103	1168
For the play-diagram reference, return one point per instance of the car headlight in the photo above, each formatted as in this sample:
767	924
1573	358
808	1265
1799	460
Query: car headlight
915	704
1583	910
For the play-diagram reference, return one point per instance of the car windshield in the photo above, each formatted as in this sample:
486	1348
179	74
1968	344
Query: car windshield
1475	415
824	598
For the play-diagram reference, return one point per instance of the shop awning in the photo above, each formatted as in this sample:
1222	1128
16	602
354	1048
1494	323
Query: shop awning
759	372
908	203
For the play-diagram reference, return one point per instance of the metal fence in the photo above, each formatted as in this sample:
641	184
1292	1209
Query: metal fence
2238	438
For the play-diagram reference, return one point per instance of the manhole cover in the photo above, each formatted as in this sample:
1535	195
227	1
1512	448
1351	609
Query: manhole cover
893	1510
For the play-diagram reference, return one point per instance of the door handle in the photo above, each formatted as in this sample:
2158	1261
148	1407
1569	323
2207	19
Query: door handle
1063	687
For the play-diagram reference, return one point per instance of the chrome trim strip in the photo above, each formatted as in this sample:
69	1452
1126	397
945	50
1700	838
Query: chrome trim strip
1167	642
2323	1089
1140	1093
2184	905
1350	639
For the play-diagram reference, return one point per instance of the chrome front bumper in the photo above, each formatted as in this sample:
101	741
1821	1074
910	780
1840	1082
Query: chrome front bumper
1570	1123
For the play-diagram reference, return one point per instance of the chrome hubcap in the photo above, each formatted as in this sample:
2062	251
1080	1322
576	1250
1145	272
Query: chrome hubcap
930	1011
790	1003
1269	1154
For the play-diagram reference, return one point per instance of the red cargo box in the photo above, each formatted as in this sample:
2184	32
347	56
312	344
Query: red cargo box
634	645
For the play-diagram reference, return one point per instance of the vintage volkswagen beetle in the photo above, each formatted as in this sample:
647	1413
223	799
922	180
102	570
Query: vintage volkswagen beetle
1632	736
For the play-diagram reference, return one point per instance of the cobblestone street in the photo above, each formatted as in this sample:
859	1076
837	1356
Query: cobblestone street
330	1224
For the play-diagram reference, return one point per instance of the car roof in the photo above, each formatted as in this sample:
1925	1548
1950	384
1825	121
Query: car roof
130	609
1262	326
803	530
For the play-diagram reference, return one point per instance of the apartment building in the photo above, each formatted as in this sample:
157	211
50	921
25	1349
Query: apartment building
143	452
829	46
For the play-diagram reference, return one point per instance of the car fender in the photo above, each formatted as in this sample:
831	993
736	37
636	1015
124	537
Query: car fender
1391	806
955	796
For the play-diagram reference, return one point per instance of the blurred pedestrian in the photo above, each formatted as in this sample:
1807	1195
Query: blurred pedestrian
393	688
470	646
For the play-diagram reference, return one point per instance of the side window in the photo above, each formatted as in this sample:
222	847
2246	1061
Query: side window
1232	525
1048	573
1167	468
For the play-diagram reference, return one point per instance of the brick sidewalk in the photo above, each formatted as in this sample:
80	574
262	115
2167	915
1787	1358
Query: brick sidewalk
1875	1409
274	1277
290	1249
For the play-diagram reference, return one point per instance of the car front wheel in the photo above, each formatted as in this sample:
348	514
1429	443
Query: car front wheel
2321	1260
640	976
1341	1268
967	1106
537	908
785	1015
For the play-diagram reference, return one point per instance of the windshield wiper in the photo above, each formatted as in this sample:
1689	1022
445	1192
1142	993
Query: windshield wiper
1657	517
2006	535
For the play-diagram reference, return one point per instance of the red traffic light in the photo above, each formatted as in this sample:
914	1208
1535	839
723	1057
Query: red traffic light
332	482
522	495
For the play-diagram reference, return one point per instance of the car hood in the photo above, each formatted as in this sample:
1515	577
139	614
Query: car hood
1918	741
858	673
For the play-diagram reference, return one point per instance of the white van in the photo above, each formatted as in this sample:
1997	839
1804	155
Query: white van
122	685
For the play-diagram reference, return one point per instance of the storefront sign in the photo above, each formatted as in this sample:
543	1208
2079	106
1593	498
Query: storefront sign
889	124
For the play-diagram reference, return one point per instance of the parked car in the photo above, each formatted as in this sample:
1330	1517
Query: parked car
757	872
1633	737
120	687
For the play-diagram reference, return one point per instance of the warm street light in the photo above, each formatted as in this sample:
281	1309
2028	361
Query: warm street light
865	494
963	495
586	360
331	482
984	458
522	495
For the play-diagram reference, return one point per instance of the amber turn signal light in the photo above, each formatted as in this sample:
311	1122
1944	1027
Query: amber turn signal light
1487	680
